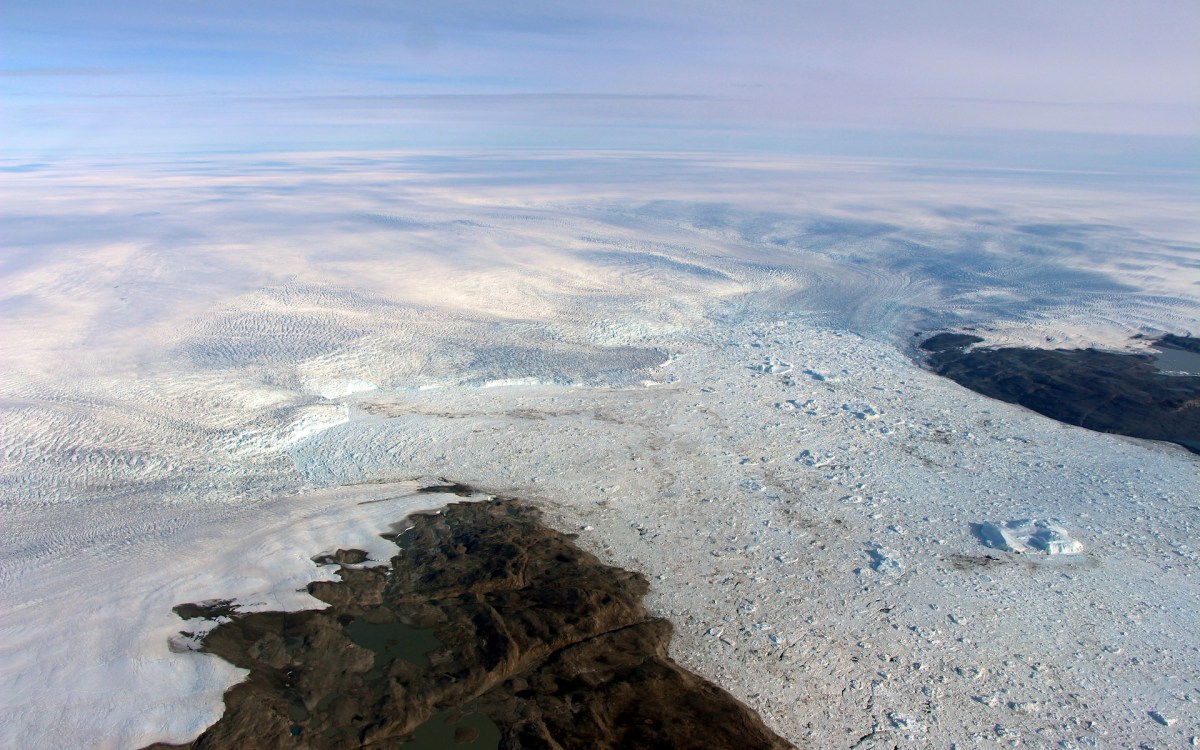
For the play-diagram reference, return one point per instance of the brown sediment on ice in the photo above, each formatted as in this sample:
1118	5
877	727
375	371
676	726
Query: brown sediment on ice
488	630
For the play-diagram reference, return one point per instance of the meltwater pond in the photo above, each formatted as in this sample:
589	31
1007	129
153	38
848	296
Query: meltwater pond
1170	359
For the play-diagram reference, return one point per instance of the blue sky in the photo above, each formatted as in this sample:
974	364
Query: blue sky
130	76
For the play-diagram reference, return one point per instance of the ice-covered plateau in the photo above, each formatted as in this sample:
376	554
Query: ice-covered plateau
214	372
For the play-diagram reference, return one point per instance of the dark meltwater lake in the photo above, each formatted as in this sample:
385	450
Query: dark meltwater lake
1177	360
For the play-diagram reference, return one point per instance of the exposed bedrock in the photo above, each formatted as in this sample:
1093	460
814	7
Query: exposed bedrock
1102	391
488	630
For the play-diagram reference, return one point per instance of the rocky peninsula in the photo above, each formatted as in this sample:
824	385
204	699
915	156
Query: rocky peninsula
487	630
1105	391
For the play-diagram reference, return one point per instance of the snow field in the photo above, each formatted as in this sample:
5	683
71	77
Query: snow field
101	662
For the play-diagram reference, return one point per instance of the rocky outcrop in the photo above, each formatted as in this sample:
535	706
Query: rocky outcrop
488	630
1102	391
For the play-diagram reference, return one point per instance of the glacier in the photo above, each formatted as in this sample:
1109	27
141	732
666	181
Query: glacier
703	365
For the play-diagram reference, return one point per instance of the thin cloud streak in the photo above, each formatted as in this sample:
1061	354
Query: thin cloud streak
55	72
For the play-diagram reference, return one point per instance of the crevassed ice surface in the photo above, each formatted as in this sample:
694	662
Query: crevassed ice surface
701	365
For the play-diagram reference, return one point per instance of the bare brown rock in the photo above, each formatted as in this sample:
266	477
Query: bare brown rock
488	630
1099	390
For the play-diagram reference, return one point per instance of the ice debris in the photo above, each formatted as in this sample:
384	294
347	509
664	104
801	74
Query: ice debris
1161	719
772	366
815	460
1029	535
884	560
863	410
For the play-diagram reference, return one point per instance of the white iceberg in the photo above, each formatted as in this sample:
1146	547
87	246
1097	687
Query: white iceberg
1026	535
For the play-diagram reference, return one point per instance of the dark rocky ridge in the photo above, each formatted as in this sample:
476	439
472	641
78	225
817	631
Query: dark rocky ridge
1102	391
1183	343
488	630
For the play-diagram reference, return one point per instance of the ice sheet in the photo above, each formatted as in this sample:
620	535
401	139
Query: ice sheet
196	388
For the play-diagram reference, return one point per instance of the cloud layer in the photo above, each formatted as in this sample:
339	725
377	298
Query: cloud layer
462	74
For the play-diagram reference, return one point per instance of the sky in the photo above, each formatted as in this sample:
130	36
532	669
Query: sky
185	77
